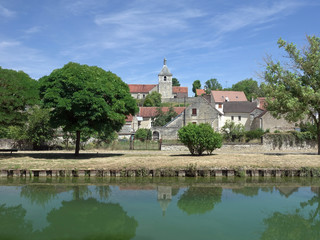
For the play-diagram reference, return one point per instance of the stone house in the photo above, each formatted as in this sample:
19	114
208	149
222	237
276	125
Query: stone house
199	111
164	87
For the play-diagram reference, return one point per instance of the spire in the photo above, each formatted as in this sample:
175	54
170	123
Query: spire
164	61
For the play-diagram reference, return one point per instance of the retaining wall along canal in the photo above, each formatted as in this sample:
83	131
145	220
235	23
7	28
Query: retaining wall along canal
190	172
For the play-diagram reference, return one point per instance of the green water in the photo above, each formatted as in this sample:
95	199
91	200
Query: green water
175	208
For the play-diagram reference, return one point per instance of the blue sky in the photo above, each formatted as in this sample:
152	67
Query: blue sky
221	39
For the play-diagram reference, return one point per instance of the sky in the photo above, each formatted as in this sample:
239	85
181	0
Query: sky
201	39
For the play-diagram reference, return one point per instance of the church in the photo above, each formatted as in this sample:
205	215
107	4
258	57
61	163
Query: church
164	86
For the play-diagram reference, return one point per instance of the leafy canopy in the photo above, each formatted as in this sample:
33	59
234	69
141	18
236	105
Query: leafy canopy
249	87
294	92
212	84
17	91
175	82
143	134
153	100
162	118
200	138
83	97
196	85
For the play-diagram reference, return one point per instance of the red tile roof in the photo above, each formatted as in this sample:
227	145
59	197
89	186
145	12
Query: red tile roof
179	89
232	96
141	88
129	118
200	92
152	111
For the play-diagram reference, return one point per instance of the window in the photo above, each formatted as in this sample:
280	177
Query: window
165	78
144	95
194	122
194	112
220	105
232	118
239	118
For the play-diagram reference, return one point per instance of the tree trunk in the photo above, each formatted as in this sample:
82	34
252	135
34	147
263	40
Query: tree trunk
77	143
318	136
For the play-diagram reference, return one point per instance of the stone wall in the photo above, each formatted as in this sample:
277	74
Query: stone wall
286	141
6	143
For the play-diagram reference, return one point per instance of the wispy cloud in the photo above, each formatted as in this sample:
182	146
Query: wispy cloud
33	30
5	12
253	15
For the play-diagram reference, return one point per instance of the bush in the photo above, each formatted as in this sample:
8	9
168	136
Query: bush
200	138
254	134
232	131
143	134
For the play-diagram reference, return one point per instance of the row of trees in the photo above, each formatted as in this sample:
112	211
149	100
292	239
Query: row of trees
250	87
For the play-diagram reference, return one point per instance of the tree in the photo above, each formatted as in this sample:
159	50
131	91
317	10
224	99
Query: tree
143	134
175	82
200	138
196	85
83	97
232	131
162	118
17	91
249	87
294	92
152	100
212	84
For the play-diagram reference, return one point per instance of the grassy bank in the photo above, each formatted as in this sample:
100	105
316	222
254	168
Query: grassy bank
116	160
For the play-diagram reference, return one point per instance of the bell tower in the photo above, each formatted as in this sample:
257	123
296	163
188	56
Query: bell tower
165	81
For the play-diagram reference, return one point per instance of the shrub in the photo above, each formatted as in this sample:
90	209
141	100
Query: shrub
143	134
254	134
232	131
200	138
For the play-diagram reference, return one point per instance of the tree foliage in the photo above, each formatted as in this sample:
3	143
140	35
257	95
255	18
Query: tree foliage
196	85
294	92
212	84
153	100
143	134
83	97
17	92
162	118
249	87
175	82
233	131
200	138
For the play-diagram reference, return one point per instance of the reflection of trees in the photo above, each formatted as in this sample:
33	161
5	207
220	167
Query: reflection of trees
90	219
199	200
103	191
251	191
40	194
295	225
12	223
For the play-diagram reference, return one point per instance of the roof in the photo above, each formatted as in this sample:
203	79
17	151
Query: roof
200	92
239	107
129	118
141	88
232	96
165	70
152	111
179	89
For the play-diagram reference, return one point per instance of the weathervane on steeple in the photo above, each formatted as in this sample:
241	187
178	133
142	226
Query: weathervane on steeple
164	61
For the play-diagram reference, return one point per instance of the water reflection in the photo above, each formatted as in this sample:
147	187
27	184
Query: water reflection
132	210
199	200
295	224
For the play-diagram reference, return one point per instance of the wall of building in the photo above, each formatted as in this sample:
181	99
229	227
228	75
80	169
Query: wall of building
267	121
245	119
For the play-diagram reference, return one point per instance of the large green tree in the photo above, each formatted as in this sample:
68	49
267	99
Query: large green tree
17	91
293	88
86	98
175	82
162	118
196	85
212	84
249	86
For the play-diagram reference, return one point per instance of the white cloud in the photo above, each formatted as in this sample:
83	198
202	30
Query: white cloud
253	15
6	12
32	30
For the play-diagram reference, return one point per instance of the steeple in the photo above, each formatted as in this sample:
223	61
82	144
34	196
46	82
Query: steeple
165	70
165	61
165	81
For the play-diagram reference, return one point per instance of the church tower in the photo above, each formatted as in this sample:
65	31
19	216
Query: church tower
165	81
